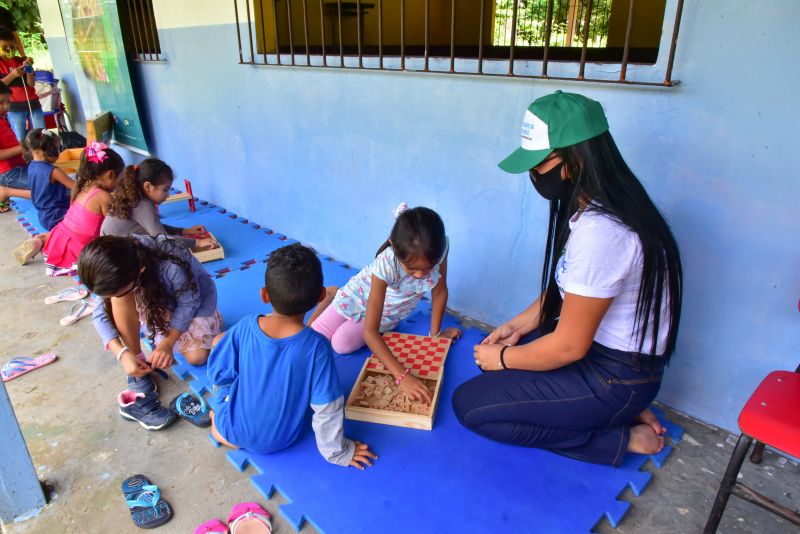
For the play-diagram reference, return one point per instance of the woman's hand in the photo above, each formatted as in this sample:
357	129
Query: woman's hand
362	456
505	334
162	356
452	333
487	357
194	230
133	366
415	389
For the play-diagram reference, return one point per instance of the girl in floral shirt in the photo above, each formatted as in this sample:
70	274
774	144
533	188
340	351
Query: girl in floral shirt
410	263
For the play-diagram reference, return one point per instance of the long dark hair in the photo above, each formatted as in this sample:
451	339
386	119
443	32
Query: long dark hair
89	171
130	185
601	176
110	263
417	233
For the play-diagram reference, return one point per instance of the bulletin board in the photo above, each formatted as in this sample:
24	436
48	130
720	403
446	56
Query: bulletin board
93	32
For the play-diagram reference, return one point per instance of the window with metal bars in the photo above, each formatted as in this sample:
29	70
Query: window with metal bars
612	41
139	33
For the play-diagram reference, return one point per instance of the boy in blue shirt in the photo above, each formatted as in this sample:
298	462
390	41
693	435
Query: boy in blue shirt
270	368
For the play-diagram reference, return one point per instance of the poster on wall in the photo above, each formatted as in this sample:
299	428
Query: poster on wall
94	31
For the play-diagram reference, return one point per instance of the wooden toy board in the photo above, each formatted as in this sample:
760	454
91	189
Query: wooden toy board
209	254
425	357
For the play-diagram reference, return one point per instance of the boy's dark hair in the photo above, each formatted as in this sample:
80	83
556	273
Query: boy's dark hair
293	279
7	35
41	139
4	90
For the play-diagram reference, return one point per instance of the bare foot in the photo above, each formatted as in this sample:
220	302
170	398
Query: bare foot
649	418
644	440
330	294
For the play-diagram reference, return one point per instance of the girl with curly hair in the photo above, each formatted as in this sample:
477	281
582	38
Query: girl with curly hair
153	282
141	188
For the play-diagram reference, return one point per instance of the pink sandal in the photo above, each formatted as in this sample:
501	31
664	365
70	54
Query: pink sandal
212	527
20	365
249	518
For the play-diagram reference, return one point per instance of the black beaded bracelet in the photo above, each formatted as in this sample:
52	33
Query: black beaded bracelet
502	359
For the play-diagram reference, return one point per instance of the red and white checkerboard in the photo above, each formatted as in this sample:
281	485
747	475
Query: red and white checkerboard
424	355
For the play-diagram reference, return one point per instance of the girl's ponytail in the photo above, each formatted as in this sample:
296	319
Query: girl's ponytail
127	195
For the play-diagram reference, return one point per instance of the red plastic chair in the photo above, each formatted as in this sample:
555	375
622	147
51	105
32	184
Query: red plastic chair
772	417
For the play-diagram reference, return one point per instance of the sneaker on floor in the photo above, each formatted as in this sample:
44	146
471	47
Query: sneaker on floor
143	384
144	409
28	250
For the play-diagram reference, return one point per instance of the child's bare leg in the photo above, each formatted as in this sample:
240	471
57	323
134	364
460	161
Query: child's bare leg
330	294
6	192
217	436
197	356
126	319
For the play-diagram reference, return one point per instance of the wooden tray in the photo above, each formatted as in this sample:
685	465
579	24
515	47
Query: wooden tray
425	357
211	254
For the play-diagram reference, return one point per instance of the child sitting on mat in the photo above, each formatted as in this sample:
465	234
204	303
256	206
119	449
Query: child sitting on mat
133	205
50	186
270	368
411	262
155	283
91	199
13	171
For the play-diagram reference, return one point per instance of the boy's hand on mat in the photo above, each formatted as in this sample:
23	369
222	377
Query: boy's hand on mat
133	366
505	334
415	389
162	357
452	333
194	230
362	456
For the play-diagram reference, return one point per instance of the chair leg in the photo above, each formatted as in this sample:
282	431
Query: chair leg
758	452
728	481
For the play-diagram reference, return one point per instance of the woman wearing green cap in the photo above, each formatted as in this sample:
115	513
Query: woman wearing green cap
577	370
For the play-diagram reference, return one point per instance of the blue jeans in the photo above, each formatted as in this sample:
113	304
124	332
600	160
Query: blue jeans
17	121
583	410
16	178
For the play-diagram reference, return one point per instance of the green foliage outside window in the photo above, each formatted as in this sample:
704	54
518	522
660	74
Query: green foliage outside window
566	28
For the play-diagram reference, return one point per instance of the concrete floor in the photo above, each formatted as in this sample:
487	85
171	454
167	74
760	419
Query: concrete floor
83	449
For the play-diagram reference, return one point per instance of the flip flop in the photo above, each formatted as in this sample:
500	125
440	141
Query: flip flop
148	509
20	365
190	408
5	207
70	294
28	250
78	311
249	518
214	526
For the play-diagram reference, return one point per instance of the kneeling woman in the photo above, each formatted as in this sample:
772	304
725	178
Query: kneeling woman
576	371
153	282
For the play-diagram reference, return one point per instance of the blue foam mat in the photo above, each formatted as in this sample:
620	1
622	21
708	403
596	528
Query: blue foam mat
445	480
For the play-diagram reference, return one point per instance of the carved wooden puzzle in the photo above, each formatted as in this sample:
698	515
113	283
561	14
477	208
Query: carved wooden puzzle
375	396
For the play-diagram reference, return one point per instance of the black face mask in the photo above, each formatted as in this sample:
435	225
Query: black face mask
550	185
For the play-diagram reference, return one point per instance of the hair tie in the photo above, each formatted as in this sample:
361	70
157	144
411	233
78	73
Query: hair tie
96	152
398	211
135	168
46	132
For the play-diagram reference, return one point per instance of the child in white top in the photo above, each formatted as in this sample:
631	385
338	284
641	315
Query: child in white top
411	262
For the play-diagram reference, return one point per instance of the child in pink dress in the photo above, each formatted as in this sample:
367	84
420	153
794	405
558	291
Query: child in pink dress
91	199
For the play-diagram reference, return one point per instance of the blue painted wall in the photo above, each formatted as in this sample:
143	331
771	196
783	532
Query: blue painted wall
325	155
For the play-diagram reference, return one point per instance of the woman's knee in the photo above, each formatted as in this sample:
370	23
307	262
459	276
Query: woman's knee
464	404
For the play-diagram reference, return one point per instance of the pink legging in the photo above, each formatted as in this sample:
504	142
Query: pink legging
346	336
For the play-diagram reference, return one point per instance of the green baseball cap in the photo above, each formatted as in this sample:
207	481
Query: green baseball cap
554	121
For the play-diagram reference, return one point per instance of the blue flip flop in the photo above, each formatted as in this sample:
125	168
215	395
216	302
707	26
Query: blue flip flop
190	408
148	509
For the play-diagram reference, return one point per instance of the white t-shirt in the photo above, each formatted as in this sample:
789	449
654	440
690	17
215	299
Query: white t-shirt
603	259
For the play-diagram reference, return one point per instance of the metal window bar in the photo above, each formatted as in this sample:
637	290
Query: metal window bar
547	33
263	31
289	25
143	31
